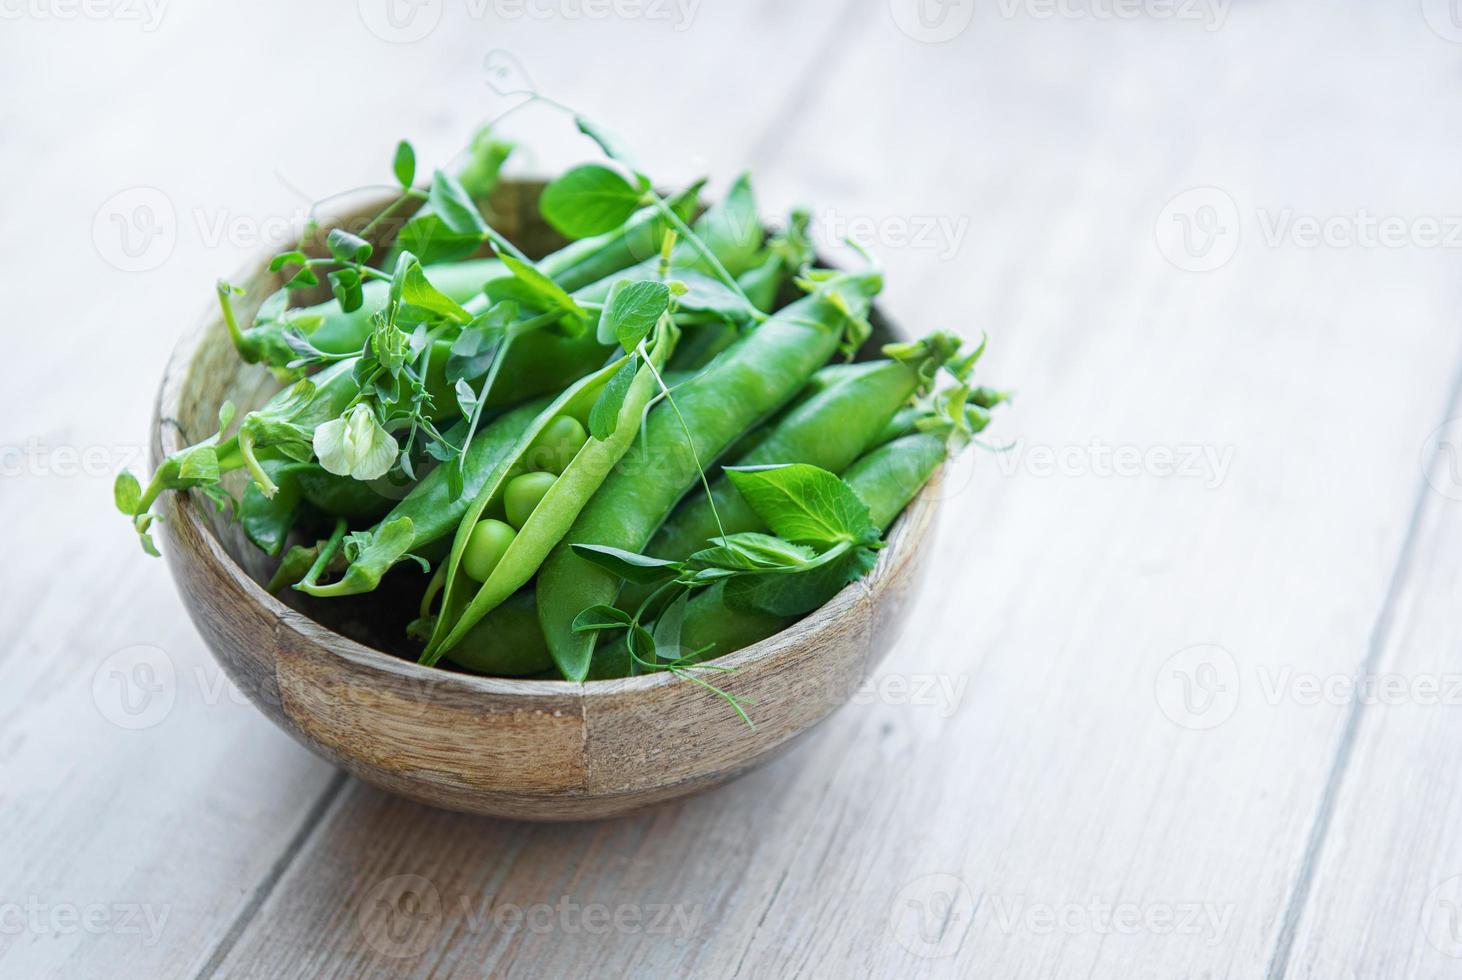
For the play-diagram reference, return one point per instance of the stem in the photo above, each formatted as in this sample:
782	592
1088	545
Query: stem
690	440
704	251
241	344
410	194
251	462
684	673
312	577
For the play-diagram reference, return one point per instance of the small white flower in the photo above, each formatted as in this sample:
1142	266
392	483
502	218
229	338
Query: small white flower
355	445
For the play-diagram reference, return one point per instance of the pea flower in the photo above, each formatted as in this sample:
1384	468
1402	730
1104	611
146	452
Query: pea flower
355	445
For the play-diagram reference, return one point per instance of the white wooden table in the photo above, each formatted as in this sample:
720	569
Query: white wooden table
1182	698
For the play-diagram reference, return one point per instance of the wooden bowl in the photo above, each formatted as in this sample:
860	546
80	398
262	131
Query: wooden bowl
535	750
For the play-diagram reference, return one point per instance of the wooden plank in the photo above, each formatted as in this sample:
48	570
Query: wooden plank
192	818
1385	896
1034	812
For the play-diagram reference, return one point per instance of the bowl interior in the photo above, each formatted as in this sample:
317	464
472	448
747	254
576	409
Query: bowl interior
215	375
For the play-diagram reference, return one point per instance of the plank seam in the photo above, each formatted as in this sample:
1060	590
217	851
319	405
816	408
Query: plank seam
1376	644
313	819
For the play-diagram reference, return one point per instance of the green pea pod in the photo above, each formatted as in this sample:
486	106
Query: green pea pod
466	601
885	479
573	267
507	642
829	430
432	509
745	384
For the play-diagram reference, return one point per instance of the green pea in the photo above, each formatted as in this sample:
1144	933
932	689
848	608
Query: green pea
558	444
523	494
485	548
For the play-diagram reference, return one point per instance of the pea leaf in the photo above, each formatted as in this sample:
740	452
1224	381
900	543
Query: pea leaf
346	247
467	399
449	199
127	493
612	146
303	279
751	551
345	285
431	240
668	628
706	295
640	569
286	258
601	617
473	351
588	200
805	504
198	465
632	310
412	287
543	290
404	165
794	595
604	414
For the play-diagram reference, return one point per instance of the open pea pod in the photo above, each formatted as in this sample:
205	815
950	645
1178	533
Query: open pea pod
525	507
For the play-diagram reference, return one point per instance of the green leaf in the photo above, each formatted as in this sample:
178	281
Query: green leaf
588	200
283	259
127	493
751	551
611	144
267	521
385	545
199	465
474	350
704	294
601	617
799	593
467	399
346	247
604	414
346	287
404	165
416	290
805	504
226	413
303	279
448	198
546	293
640	569
632	310
428	237
668	629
